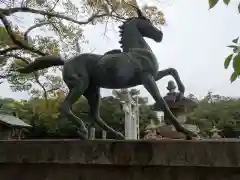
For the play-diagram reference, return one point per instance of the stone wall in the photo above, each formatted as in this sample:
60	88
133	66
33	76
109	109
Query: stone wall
5	132
119	160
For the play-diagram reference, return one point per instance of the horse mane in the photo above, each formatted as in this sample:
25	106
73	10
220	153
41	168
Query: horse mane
122	29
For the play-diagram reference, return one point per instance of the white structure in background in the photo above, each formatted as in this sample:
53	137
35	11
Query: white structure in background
160	116
131	110
135	120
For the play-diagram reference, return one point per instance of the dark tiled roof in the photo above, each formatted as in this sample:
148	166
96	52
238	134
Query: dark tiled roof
12	121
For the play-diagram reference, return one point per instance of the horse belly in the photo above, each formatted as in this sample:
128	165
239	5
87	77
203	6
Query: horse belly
117	73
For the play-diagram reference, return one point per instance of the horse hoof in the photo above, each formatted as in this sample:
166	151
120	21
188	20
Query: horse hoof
82	135
120	136
188	138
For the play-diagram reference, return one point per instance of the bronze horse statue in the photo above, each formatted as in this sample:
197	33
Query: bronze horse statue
136	65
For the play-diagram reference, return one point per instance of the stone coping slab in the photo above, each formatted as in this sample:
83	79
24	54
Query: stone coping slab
204	153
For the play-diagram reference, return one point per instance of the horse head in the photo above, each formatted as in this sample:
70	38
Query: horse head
134	28
146	28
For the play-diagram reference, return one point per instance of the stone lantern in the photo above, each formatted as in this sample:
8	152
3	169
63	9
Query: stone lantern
179	105
215	133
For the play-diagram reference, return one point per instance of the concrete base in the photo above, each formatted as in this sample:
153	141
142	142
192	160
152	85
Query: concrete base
119	160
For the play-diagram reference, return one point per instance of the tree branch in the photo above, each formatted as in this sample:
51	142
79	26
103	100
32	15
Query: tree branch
57	1
14	39
4	51
33	27
36	76
9	11
113	10
3	77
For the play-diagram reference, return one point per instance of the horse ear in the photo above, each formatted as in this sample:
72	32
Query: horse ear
139	12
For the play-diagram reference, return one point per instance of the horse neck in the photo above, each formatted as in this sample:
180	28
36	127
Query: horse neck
132	38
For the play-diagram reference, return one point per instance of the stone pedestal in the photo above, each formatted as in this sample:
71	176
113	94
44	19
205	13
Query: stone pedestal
118	160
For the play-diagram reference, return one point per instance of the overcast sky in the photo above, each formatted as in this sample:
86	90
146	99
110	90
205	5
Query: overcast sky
194	43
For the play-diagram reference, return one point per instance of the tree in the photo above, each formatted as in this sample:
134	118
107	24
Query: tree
192	97
56	30
215	110
47	122
235	55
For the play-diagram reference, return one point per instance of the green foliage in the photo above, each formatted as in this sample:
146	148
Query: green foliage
227	61
48	44
235	40
3	60
233	77
212	3
235	56
226	1
5	39
236	64
215	110
153	13
47	122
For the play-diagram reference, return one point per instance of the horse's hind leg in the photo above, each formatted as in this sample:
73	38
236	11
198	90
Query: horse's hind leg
77	86
149	83
93	96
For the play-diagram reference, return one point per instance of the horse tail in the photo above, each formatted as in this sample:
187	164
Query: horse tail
42	63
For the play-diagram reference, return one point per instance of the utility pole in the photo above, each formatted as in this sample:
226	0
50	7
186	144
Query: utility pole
127	108
137	119
131	117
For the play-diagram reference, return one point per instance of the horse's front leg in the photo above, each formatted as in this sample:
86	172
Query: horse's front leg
149	83
66	109
93	96
173	72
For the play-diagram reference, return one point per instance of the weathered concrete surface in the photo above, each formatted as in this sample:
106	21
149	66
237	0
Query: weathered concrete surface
119	160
